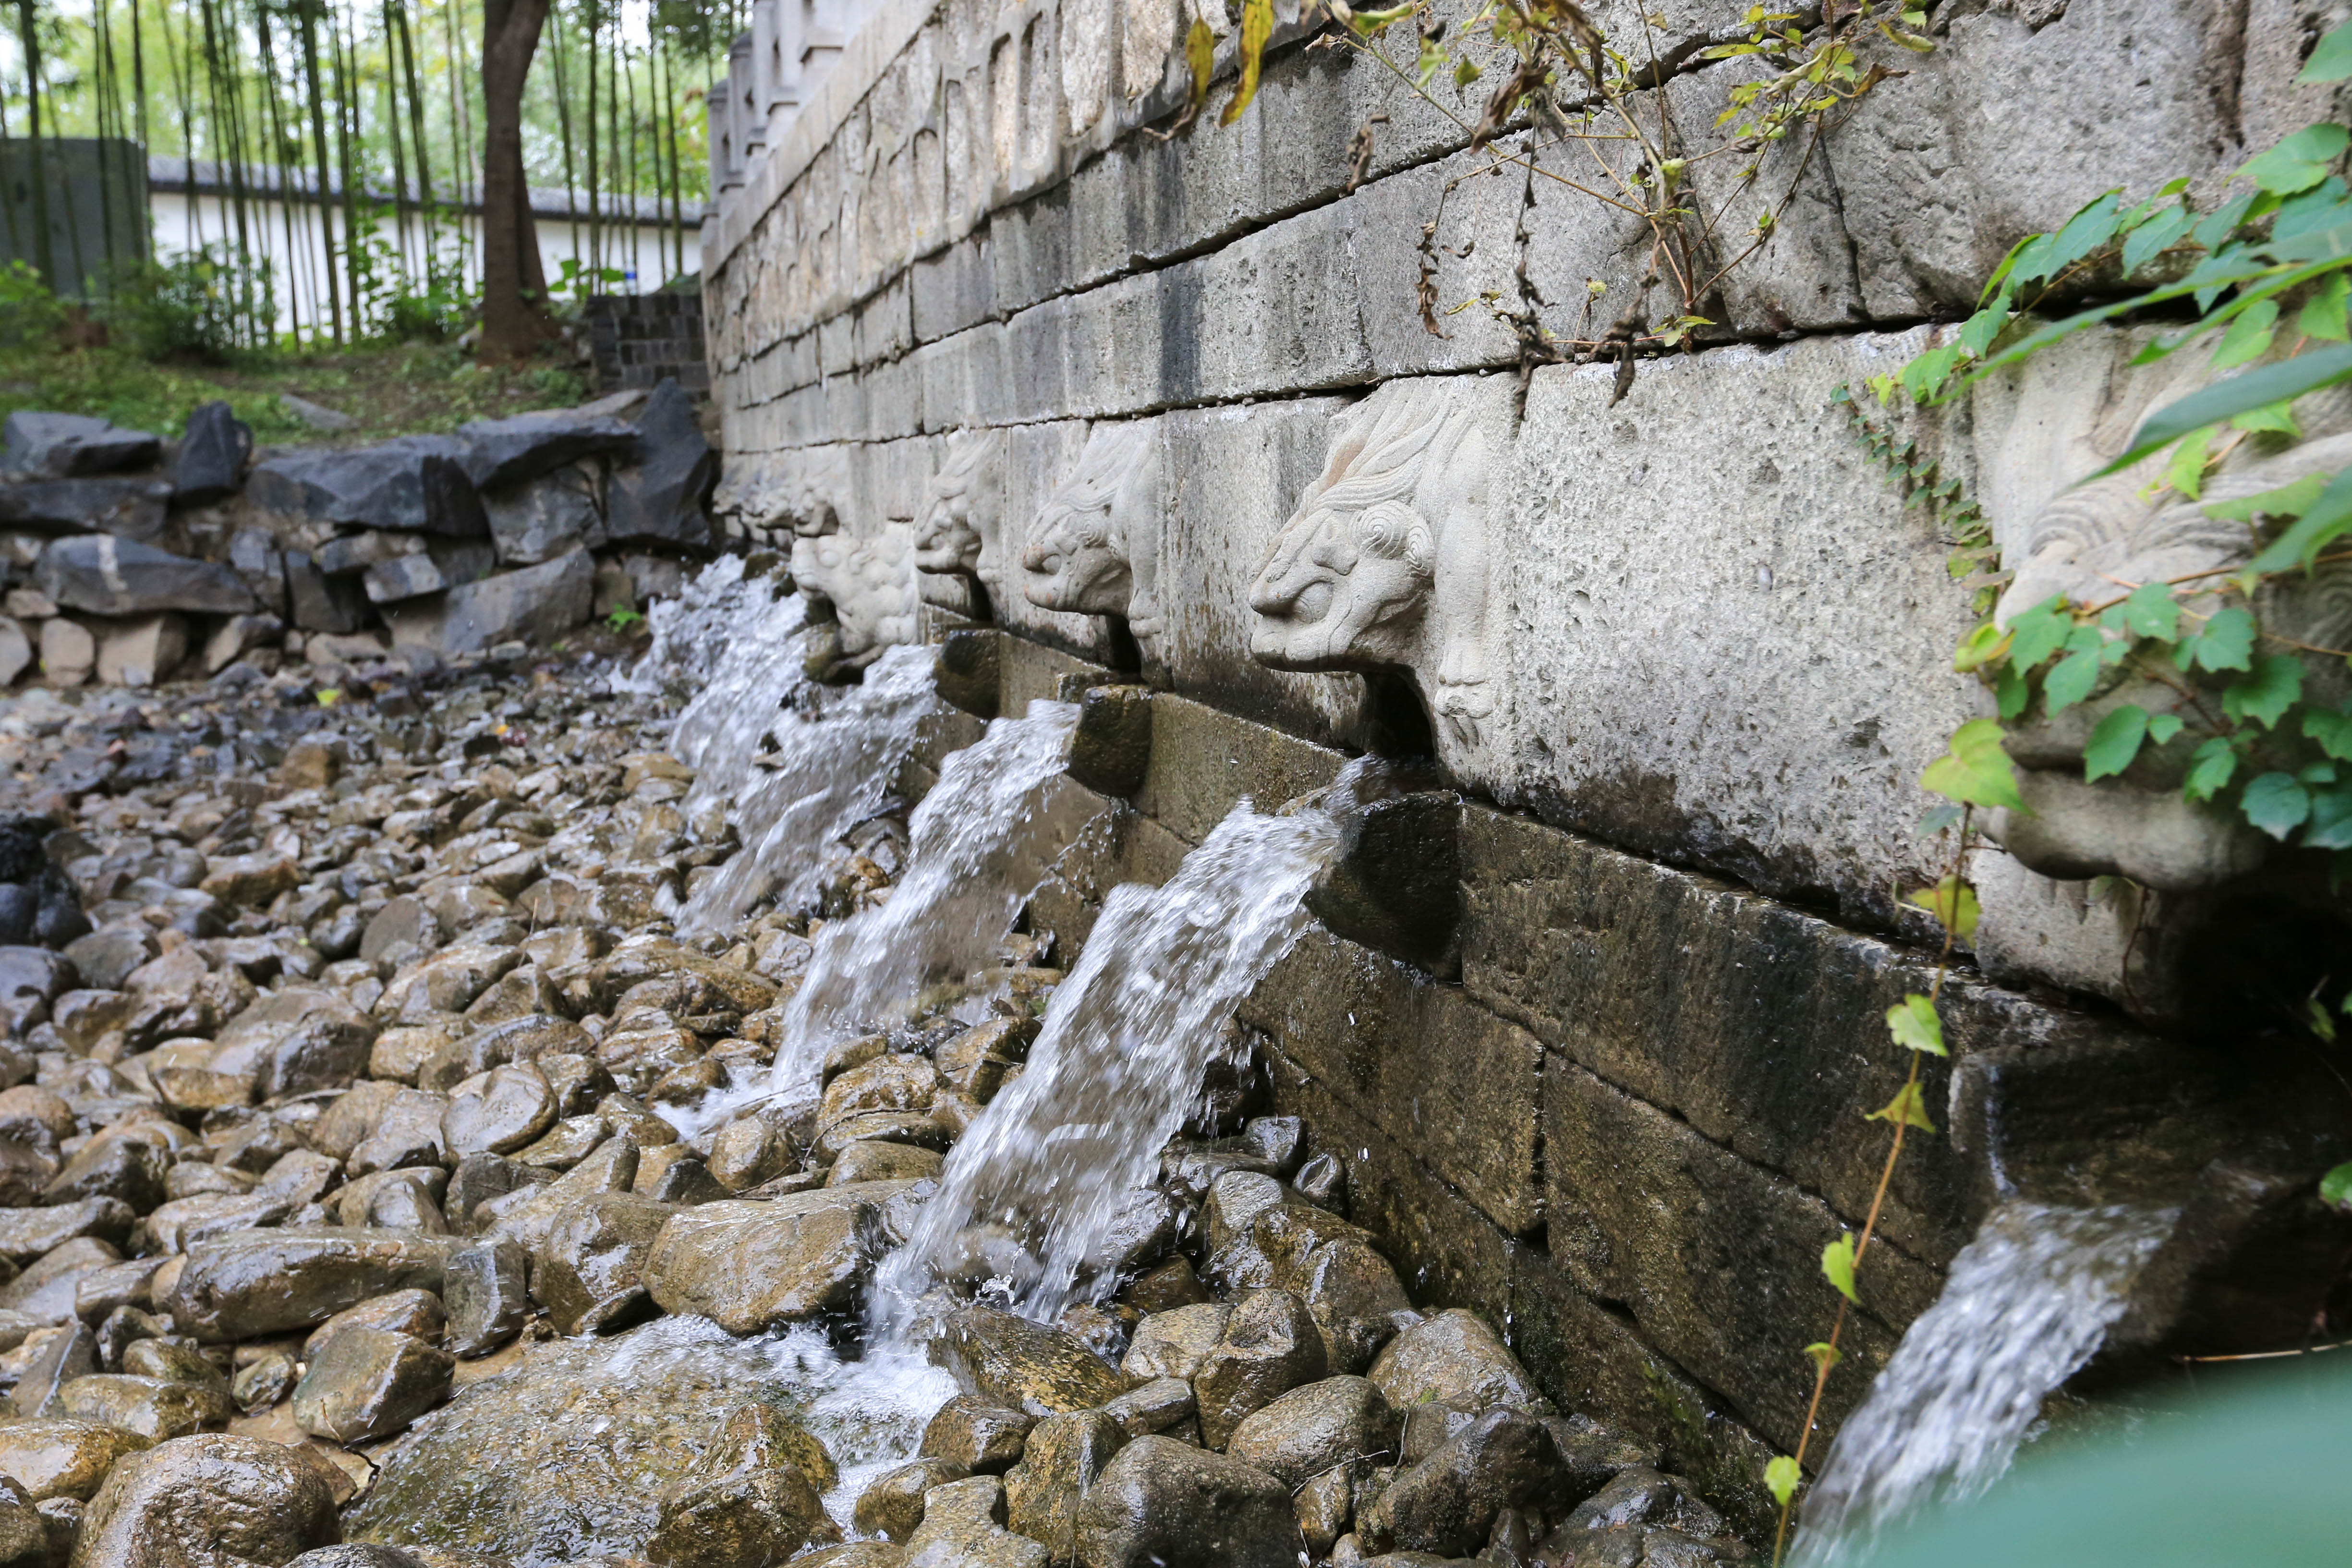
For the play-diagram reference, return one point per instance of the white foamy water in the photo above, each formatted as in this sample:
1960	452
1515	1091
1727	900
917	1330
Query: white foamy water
2027	1302
978	843
834	755
1120	1061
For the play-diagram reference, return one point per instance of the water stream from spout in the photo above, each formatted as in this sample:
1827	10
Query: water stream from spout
2026	1304
1036	1185
978	844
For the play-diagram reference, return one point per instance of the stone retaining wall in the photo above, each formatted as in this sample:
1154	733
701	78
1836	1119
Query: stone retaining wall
989	349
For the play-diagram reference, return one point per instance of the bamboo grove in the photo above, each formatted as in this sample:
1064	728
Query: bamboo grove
378	104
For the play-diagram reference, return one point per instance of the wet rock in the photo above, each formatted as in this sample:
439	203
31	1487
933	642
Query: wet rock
1144	1229
129	1170
263	1382
663	498
963	1527
26	1537
751	1500
674	1174
576	1443
27	1233
63	1457
892	1506
525	1213
1165	1287
49	1288
61	446
367	1383
69	1355
871	1160
1354	1296
104	575
498	1112
413	484
153	1407
886	1083
487	1289
356	1556
593	1256
446	982
213	453
751	1266
208	1499
1639	1495
1448	1502
1163	1404
172	1360
1169	1504
1064	1456
1316	1427
533	605
748	1152
1174	1343
405	1199
351	1116
1234	1200
407	1132
1454	1360
417	1313
263	1282
976	1436
1270	1346
1010	1361
478	1178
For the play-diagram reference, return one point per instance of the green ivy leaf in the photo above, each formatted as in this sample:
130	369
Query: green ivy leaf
2071	680
2286	501
2276	684
2332	730
2114	742
2185	470
1975	771
1915	1025
1908	1109
1980	648
2299	162
2330	61
2211	768
2275	417
2326	519
2163	727
2322	315
2243	393
2226	643
2275	802
1925	376
1953	902
1824	1354
2155	237
1938	819
2010	692
1781	1477
2151	612
2092	227
1837	1266
2036	633
2335	1188
1979	331
2331	820
2249	337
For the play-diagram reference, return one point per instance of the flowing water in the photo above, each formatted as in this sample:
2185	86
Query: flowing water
834	758
1119	1065
2026	1304
979	841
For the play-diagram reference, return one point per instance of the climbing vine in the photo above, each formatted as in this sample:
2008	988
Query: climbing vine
2260	282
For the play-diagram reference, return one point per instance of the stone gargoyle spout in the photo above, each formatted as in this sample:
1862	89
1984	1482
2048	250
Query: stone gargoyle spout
959	529
1383	564
1093	549
870	583
2093	544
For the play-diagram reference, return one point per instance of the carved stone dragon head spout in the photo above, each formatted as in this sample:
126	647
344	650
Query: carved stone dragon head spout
2093	544
1094	548
1383	566
964	516
869	583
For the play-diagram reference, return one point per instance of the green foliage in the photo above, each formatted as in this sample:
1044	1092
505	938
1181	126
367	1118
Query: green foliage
622	619
1837	1266
1781	1477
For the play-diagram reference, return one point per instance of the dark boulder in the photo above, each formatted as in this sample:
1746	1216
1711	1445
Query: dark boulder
415	484
68	446
128	508
110	576
1169	1504
209	1498
547	517
664	497
213	455
525	445
318	603
536	604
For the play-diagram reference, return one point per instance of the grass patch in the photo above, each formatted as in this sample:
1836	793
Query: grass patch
396	389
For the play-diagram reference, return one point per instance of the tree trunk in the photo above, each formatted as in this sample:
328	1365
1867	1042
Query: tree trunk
514	287
44	249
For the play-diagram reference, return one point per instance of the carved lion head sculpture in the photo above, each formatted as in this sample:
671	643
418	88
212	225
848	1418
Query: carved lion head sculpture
870	583
965	512
1095	544
2093	544
1383	565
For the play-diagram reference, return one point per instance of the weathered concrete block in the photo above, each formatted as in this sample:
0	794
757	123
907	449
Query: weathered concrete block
1439	1074
1204	761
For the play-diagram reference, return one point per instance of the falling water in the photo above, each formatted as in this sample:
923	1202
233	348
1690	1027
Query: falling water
835	757
1121	1058
979	841
2027	1303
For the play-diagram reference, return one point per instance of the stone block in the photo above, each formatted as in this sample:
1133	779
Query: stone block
110	576
68	652
535	604
1477	201
1204	761
141	651
1433	1070
1716	1260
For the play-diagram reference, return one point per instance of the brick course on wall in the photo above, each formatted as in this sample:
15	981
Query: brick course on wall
636	340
